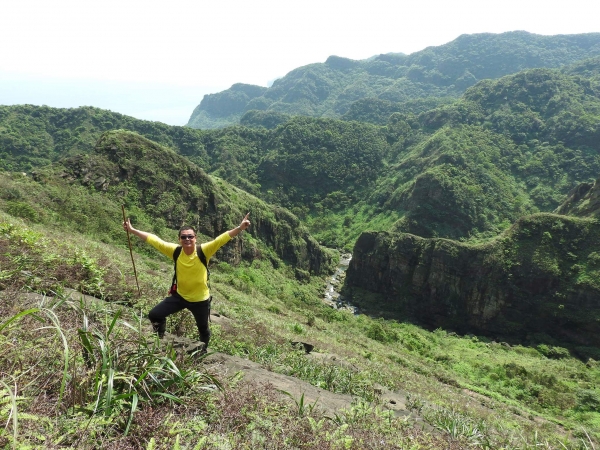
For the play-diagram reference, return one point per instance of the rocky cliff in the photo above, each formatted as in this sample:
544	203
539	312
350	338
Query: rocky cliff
540	278
226	106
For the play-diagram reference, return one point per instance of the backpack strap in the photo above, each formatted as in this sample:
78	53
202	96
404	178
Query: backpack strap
203	260
176	254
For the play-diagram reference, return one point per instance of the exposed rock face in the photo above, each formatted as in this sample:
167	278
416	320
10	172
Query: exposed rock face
231	101
583	201
292	242
539	277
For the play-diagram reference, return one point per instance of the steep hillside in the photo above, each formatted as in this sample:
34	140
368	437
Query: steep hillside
309	159
454	183
508	147
95	377
541	104
162	191
329	89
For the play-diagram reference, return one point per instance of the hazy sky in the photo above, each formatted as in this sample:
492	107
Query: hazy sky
155	60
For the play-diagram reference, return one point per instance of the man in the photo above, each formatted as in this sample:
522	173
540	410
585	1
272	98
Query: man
192	289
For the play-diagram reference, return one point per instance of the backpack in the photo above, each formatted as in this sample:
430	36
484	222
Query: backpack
201	257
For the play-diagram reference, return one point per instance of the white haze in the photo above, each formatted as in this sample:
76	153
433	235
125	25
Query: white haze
156	60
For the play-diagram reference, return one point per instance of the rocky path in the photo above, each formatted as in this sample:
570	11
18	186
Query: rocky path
328	402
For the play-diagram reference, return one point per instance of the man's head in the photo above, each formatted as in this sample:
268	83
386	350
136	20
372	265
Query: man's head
185	230
187	236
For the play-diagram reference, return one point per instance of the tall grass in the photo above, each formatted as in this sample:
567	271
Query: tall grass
118	368
10	409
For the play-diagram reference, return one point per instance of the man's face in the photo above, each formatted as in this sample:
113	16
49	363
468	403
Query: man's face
187	238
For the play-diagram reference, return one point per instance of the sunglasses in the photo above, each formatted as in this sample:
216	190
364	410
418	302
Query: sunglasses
186	237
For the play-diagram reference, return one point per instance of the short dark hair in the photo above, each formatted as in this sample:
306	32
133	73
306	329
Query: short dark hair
186	228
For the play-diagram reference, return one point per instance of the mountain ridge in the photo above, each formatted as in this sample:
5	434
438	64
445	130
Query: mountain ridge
328	89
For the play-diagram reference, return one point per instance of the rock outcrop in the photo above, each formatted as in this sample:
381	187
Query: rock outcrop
582	201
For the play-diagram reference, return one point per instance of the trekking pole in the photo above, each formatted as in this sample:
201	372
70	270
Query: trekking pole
131	253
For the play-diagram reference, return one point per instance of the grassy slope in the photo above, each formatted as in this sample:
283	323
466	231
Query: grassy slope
487	391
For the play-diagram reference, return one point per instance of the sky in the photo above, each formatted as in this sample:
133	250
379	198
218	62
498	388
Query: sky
155	60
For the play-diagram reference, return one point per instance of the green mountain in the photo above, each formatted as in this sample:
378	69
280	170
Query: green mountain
463	170
392	81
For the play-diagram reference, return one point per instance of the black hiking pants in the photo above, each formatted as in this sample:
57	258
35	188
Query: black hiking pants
175	303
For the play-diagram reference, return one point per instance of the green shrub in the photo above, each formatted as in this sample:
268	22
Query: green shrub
553	352
330	315
274	309
377	333
297	328
514	370
588	400
382	331
23	210
416	343
594	258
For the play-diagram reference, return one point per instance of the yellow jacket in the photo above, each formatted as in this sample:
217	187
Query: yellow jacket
191	273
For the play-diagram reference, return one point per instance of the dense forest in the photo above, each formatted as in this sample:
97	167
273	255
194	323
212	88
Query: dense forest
462	178
463	170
